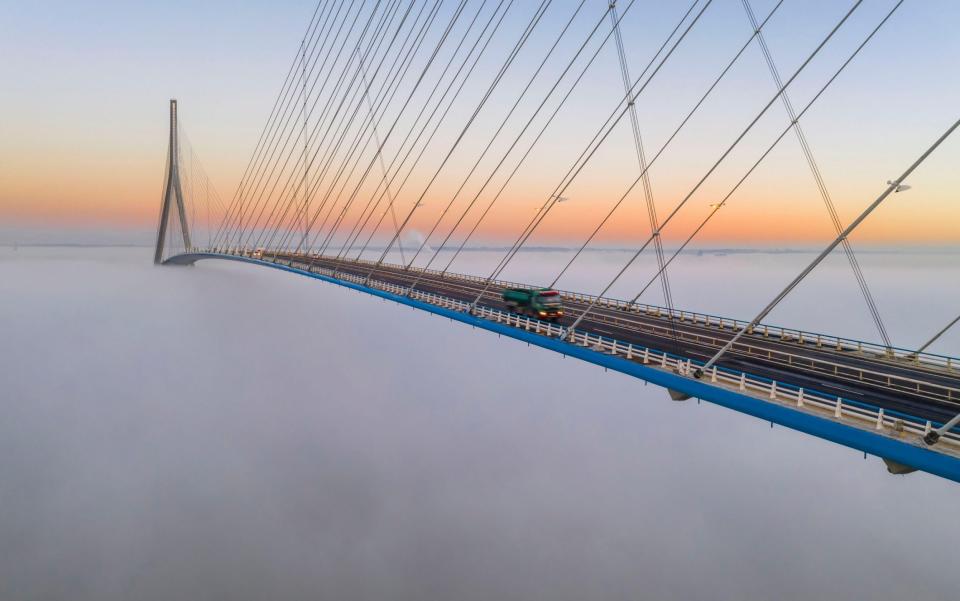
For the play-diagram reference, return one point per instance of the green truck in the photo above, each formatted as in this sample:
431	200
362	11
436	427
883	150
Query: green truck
543	303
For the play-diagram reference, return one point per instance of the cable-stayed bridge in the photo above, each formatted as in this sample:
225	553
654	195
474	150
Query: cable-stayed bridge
425	115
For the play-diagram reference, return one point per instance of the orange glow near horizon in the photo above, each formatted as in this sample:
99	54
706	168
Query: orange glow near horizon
124	202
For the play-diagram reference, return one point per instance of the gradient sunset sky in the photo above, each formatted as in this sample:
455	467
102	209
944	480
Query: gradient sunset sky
86	85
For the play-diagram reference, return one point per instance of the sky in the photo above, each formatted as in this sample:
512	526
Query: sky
82	146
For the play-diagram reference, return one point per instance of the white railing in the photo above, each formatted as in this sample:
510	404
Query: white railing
836	408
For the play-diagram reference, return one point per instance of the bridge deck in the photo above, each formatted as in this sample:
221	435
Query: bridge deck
901	386
879	404
898	385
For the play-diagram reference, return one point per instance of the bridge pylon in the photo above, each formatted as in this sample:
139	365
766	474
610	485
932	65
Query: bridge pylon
172	192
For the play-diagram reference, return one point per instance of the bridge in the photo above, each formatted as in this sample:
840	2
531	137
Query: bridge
349	142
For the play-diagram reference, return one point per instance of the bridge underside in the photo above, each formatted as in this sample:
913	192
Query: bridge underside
855	412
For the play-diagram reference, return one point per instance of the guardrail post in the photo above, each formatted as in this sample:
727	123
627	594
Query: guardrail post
713	375
838	408
800	398
773	389
663	360
646	355
743	381
880	419
630	351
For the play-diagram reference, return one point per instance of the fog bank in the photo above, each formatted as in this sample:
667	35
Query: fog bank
233	432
